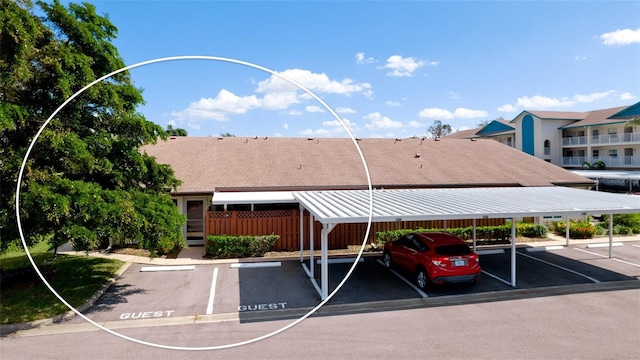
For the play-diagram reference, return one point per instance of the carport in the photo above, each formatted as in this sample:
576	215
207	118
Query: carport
362	206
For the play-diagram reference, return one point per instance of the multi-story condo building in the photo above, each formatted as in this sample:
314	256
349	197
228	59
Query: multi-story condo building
573	140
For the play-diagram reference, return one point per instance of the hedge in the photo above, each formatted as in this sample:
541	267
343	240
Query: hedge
227	246
502	232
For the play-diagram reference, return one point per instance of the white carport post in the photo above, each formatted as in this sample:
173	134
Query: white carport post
568	228
312	266
301	233
513	252
324	262
473	222
611	235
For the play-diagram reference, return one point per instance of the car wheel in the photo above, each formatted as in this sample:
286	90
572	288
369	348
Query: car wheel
421	278
386	260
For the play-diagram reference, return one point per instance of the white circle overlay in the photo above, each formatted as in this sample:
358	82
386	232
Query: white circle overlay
195	57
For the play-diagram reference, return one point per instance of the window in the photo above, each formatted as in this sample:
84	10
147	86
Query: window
613	153
595	153
547	147
612	131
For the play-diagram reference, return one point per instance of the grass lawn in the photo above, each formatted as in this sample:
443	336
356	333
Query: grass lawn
24	297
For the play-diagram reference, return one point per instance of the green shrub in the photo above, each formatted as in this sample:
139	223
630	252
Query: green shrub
578	229
502	232
628	224
227	246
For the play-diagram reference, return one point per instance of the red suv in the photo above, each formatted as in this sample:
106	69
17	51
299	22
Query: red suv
433	257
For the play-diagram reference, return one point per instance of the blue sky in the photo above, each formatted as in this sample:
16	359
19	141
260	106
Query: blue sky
390	69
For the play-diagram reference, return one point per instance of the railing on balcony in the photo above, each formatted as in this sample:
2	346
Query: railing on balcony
575	140
609	161
616	138
573	160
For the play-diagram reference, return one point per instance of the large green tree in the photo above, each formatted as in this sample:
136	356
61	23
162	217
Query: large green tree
86	180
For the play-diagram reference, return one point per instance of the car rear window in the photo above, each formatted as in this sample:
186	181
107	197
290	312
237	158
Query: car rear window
452	250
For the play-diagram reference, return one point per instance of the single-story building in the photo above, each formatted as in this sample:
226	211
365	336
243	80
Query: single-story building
240	185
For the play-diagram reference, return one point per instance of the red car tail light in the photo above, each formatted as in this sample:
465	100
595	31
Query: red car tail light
440	261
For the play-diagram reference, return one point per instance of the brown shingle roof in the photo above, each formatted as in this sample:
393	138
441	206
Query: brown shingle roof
205	164
464	134
587	118
598	117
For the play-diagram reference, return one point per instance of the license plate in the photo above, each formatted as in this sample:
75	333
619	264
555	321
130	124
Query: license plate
459	263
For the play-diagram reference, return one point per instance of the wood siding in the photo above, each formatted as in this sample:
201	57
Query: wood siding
286	223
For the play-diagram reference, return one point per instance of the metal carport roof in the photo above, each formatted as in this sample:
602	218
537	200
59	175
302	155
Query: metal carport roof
353	206
361	206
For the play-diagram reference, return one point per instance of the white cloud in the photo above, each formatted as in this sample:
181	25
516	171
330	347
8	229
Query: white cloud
345	110
295	112
361	59
435	113
627	96
453	95
312	81
392	103
444	114
331	128
539	102
285	126
507	108
621	37
277	94
314	109
416	124
463	113
401	67
580	58
377	121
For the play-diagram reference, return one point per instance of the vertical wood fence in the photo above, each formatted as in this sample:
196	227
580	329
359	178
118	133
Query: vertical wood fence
286	223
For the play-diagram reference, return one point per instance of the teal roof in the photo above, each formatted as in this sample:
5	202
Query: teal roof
633	110
495	127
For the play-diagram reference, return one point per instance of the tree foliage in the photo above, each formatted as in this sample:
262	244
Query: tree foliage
438	129
86	180
171	131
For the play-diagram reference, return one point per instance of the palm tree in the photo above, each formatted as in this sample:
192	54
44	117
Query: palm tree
598	165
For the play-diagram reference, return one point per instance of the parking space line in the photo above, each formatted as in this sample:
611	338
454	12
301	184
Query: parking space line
496	277
605	256
212	292
313	280
635	245
257	264
168	268
559	267
417	289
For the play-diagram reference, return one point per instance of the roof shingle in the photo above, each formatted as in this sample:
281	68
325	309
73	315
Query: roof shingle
205	164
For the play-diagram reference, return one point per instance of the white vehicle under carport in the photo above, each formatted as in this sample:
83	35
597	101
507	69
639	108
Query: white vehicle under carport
433	258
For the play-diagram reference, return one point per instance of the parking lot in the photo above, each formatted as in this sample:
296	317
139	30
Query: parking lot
146	292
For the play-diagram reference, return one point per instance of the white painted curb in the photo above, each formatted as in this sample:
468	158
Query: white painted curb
490	252
545	248
257	264
167	268
601	245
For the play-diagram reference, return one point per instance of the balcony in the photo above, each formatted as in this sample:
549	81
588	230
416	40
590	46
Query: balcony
609	161
575	140
624	138
573	160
